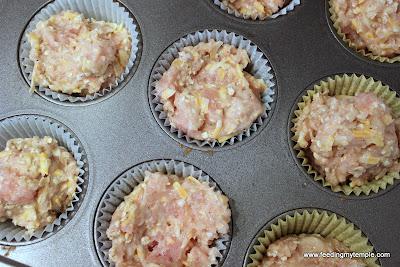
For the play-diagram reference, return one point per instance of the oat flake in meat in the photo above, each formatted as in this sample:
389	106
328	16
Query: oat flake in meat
289	252
168	221
255	8
372	25
38	179
75	55
349	138
207	94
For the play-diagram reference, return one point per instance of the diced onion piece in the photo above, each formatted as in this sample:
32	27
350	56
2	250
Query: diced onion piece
181	191
167	93
44	164
193	180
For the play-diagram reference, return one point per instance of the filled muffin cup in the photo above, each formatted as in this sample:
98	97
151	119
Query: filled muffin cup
259	67
352	45
100	10
126	183
27	126
348	85
289	5
309	221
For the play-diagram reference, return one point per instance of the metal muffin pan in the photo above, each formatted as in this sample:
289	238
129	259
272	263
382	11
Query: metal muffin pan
260	176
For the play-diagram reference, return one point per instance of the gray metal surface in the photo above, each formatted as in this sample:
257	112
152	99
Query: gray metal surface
260	177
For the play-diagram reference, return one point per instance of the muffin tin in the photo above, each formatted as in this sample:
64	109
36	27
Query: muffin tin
261	176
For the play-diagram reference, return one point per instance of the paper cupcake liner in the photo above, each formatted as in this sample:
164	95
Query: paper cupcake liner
125	184
309	221
347	85
26	126
365	53
290	5
259	67
104	10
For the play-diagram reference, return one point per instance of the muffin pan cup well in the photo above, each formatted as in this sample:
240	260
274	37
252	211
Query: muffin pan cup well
309	221
126	183
100	10
259	67
26	126
347	85
342	36
288	7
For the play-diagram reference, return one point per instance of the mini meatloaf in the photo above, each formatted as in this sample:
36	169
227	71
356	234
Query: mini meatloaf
207	94
169	221
349	137
38	179
289	251
75	55
372	25
255	8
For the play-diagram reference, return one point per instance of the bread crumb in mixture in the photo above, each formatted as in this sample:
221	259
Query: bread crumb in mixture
207	94
169	221
349	138
38	179
75	55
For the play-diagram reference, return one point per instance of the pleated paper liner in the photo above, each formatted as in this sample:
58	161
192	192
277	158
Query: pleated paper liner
26	126
100	10
259	67
125	184
347	85
363	52
288	6
309	221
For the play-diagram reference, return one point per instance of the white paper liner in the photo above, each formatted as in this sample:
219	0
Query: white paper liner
283	11
125	184
104	10
259	67
26	126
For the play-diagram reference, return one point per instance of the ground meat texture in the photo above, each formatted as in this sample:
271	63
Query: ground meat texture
255	8
37	181
74	55
168	221
207	94
349	138
289	252
372	25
